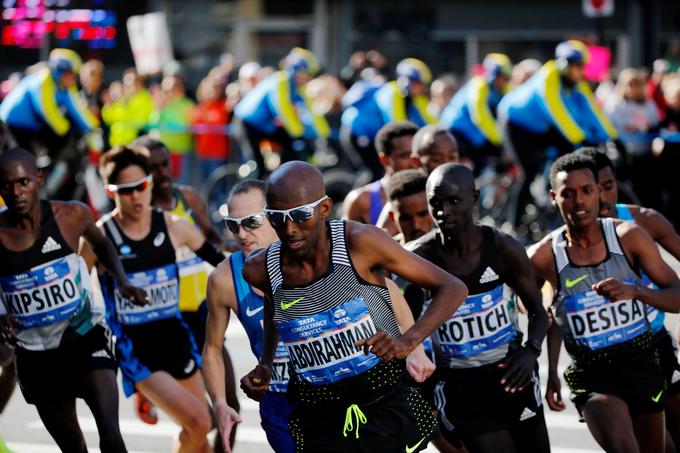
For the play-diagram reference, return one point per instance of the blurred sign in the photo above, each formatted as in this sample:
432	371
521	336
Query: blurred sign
150	42
30	24
598	8
597	68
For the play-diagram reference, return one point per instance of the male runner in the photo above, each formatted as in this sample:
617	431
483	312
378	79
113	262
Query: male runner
324	287
228	291
185	202
594	267
408	204
393	144
488	394
662	231
63	346
433	145
155	348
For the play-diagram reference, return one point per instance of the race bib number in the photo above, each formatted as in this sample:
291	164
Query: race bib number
596	322
162	289
322	347
280	371
46	294
482	323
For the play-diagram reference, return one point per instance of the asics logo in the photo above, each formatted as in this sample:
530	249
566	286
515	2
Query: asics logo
286	305
571	283
250	313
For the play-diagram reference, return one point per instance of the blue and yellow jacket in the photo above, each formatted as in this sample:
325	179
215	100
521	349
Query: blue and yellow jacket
542	103
38	100
472	112
386	105
278	102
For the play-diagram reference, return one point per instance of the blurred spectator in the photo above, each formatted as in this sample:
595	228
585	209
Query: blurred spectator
326	92
91	82
173	122
672	55
654	85
128	116
248	77
209	121
631	112
634	116
523	71
350	73
441	91
8	85
671	90
377	61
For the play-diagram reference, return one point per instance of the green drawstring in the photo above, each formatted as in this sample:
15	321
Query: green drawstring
353	412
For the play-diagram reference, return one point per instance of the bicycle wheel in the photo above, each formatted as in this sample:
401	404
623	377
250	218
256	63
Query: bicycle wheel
216	188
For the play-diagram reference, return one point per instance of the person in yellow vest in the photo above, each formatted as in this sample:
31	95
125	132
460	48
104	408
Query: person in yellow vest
184	201
279	109
129	115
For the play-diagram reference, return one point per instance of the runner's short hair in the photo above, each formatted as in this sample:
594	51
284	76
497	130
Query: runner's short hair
405	183
390	131
121	157
570	162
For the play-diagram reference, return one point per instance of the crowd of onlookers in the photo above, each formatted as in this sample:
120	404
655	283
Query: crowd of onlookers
195	127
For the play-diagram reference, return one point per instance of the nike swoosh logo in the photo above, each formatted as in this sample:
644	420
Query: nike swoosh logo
286	306
571	283
412	449
657	397
250	313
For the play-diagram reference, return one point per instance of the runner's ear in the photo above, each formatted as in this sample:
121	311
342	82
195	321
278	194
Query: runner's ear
325	208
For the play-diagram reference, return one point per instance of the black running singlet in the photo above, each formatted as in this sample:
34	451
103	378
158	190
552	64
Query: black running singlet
46	288
485	326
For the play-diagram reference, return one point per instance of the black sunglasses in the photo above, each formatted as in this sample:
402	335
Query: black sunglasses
249	222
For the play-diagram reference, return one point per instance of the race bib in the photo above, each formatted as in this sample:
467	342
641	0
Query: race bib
163	291
596	322
482	323
322	347
280	371
46	294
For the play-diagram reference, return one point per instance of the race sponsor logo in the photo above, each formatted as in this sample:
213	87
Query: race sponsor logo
159	239
44	295
322	347
50	245
280	369
162	288
482	323
488	276
596	322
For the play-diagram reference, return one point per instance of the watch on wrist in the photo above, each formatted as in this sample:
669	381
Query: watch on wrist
534	345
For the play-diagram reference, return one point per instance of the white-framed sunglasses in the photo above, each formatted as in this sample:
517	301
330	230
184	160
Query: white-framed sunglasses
298	214
249	222
126	189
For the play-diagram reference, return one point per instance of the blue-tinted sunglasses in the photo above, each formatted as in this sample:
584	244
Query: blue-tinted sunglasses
299	214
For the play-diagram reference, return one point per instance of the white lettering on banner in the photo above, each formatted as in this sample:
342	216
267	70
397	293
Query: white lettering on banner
322	347
162	289
596	322
44	295
482	323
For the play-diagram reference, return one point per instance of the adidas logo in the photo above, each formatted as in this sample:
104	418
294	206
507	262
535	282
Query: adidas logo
50	245
526	414
676	376
488	276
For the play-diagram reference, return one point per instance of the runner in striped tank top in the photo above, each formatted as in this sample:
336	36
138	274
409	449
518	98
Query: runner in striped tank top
594	268
325	293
